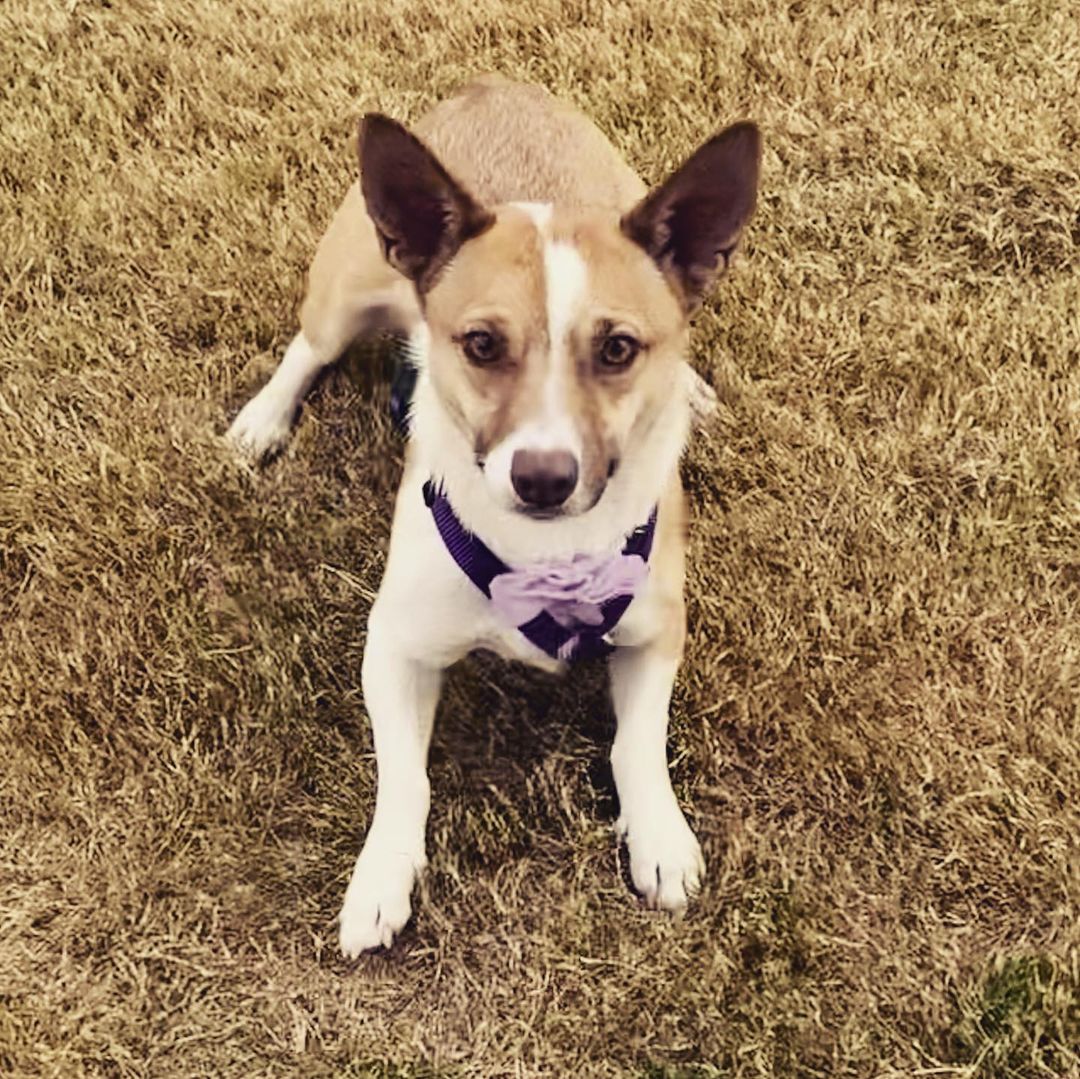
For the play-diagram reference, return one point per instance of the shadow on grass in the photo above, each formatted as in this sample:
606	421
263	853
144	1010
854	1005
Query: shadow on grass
521	756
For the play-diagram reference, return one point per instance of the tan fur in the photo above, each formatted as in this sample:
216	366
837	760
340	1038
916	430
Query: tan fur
668	571
512	142
490	402
627	292
347	272
497	283
508	142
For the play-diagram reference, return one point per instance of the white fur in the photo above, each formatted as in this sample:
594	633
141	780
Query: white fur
666	865
566	280
419	343
429	614
401	695
540	212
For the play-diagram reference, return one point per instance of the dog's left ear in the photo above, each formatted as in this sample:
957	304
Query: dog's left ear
421	213
690	225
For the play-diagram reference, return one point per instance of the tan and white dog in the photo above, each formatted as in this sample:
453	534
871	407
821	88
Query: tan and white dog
547	298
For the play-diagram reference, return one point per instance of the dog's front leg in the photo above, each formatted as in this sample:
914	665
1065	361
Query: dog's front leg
665	858
401	695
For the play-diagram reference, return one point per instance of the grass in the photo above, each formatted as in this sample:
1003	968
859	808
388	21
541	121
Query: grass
876	731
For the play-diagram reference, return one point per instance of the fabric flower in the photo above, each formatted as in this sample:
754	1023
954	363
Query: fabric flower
572	591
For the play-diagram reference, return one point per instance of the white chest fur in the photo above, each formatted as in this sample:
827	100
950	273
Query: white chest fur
439	615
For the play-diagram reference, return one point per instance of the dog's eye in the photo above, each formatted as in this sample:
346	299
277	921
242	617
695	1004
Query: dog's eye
481	347
619	350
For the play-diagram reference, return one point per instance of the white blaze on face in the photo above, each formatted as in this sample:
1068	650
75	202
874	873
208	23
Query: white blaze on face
551	426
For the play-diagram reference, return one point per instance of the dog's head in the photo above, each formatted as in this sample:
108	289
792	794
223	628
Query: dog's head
556	339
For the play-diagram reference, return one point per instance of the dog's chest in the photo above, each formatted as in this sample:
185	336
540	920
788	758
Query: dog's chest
437	612
511	644
476	625
441	613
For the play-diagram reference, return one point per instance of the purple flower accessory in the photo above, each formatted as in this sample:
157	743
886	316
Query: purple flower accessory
591	593
572	591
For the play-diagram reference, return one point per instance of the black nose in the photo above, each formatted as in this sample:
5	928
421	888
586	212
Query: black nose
543	479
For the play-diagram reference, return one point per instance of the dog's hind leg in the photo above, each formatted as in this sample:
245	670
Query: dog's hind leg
352	291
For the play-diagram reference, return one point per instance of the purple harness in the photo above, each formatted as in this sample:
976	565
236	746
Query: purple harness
566	609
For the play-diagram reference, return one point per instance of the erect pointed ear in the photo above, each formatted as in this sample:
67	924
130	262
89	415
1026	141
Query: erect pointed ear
421	213
690	225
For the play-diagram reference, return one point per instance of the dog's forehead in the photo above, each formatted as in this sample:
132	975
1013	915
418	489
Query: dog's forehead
623	279
548	269
500	272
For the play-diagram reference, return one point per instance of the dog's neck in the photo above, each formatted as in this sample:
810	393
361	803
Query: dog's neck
443	453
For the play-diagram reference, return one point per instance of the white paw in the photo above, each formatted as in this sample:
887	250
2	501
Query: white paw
377	904
263	424
666	864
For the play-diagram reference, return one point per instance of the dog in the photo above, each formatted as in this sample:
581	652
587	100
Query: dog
546	296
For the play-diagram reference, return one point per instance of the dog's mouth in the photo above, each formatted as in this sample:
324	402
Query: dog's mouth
536	513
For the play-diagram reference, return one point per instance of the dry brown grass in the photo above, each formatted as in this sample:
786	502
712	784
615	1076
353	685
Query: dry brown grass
877	730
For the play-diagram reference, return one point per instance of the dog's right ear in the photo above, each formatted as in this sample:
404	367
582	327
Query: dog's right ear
421	213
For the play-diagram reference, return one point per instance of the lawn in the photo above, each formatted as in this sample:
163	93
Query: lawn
877	729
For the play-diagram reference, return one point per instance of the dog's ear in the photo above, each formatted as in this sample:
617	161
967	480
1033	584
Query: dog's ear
690	225
421	213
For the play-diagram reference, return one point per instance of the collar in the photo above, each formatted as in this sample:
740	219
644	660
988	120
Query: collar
564	639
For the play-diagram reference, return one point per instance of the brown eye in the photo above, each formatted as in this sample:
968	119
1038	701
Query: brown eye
481	347
619	350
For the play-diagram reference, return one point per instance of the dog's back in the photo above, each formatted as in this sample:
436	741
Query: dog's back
513	142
